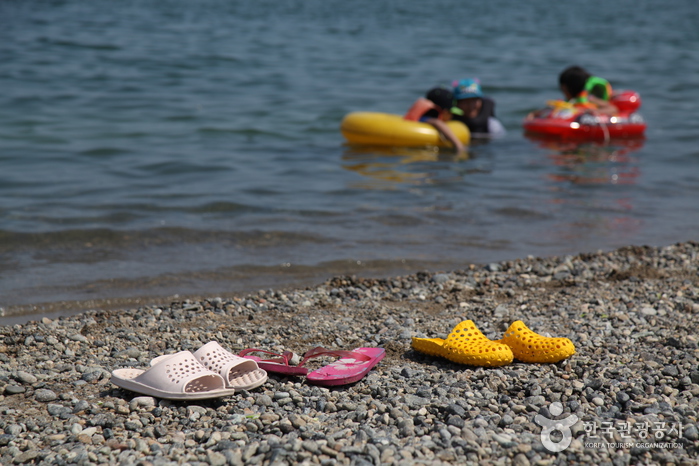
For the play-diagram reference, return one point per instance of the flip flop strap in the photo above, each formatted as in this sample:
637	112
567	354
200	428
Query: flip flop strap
319	351
281	359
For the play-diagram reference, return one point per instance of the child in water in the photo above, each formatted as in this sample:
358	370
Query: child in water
583	89
436	109
477	110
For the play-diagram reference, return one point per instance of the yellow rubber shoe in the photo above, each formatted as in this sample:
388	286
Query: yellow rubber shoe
528	346
431	346
467	345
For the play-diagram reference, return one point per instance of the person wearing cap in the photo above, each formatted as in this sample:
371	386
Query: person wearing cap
436	109
582	89
477	110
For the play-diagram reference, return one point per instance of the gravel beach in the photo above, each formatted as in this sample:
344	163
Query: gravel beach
630	395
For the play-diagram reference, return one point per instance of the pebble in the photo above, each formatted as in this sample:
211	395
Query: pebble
45	395
631	314
142	402
14	389
26	378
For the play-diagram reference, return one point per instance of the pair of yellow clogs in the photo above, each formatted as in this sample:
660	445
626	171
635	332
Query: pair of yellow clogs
467	345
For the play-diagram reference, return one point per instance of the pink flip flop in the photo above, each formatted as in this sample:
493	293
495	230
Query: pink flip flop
277	365
351	367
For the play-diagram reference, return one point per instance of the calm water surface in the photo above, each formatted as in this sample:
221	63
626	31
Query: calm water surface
161	148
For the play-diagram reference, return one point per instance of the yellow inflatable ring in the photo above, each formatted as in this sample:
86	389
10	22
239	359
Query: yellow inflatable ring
385	129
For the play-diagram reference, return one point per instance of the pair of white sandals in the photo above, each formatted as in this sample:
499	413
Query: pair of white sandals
210	372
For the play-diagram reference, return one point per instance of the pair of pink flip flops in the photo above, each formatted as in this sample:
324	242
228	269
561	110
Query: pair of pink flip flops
351	367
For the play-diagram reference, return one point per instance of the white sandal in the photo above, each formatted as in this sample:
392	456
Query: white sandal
239	373
175	377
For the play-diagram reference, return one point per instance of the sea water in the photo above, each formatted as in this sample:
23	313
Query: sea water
151	149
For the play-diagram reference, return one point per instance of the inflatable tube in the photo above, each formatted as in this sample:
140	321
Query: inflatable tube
563	120
385	129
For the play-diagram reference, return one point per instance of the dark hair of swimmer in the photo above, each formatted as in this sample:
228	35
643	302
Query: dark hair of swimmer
574	79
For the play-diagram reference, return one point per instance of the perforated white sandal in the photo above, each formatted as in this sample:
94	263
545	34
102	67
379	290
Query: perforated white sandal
175	377
239	373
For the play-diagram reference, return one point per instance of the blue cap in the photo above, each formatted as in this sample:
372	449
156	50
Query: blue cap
467	89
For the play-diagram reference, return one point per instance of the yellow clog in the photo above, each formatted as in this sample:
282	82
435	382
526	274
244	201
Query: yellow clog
430	346
528	346
467	345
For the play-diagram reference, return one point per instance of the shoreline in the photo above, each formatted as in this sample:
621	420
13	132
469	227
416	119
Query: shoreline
239	284
631	314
